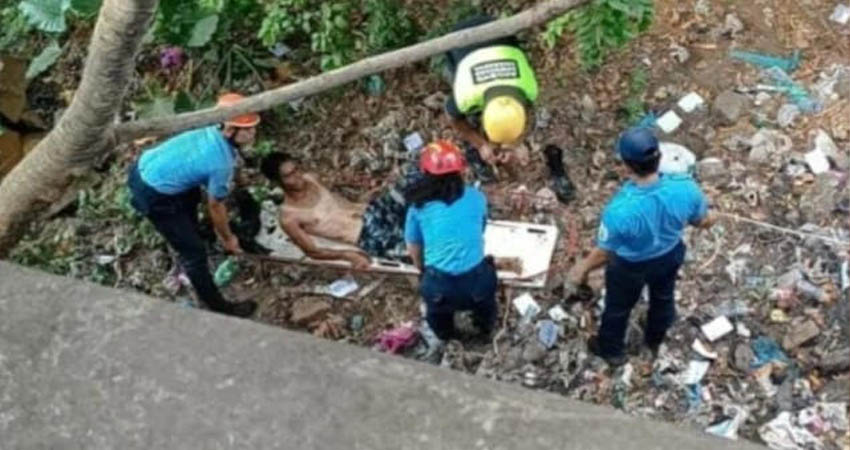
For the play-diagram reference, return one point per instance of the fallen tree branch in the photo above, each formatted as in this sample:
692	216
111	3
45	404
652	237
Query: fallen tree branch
168	125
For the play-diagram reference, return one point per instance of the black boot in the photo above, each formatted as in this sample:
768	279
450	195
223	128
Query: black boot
561	183
482	171
241	309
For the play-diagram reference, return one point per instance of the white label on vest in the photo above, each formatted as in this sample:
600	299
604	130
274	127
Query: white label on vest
505	69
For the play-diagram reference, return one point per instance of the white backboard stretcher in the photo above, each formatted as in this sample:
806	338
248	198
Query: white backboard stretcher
533	244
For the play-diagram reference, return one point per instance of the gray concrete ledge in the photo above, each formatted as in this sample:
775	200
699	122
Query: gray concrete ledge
87	367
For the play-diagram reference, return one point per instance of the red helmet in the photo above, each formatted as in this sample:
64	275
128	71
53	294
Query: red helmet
441	157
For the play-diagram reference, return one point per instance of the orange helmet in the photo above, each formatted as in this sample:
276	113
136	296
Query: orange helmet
241	121
441	157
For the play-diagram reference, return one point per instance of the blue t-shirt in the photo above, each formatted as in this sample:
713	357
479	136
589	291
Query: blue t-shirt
453	235
644	222
195	158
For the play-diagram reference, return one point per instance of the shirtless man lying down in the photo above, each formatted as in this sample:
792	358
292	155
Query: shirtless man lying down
310	209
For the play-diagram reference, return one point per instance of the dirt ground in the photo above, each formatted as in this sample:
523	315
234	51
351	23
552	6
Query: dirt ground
352	140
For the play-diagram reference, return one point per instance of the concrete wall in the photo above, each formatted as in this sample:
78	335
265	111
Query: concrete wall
86	367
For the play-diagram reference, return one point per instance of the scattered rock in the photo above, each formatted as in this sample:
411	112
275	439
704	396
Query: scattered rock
714	171
679	53
800	334
819	200
743	357
766	145
736	143
842	87
534	352
307	311
730	106
837	390
835	362
732	25
435	101
787	114
542	117
785	395
825	144
588	108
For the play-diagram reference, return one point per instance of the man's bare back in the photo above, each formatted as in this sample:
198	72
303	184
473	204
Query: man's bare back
324	214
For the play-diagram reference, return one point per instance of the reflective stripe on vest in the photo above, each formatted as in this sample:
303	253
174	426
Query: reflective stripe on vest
500	65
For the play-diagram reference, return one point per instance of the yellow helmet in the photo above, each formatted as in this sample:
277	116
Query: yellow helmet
503	119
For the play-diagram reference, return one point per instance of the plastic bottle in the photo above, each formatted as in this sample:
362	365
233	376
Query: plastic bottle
225	272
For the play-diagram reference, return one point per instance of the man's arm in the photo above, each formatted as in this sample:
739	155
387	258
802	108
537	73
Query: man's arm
415	252
707	221
469	134
220	219
295	229
597	258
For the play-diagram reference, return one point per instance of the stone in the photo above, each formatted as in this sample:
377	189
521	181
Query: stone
842	87
787	114
835	362
732	25
837	390
533	352
768	147
743	357
800	334
308	311
730	106
825	144
435	101
785	394
588	108
819	200
714	171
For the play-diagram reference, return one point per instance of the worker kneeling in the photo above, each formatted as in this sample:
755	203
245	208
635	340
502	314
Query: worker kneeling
444	232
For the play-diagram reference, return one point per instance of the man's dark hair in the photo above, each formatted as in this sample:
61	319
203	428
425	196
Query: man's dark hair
644	168
270	167
445	188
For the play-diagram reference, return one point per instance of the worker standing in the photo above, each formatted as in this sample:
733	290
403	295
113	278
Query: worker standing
444	231
640	242
166	183
493	89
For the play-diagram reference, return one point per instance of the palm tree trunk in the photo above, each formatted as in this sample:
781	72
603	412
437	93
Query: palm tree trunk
81	134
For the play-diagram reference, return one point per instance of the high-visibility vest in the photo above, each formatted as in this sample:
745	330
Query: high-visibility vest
499	65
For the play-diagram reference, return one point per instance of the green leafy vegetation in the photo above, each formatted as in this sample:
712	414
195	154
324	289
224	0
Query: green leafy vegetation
634	106
388	26
601	27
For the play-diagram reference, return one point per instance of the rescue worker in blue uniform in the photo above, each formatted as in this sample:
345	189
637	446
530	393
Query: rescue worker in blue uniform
640	243
165	186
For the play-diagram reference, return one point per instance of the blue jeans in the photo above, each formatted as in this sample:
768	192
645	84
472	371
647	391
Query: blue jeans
473	290
175	217
624	281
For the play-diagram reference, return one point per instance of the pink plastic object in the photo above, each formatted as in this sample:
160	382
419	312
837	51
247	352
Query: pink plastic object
399	338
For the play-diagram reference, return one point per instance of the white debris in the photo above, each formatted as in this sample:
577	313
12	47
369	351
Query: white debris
841	14
742	330
526	306
342	287
817	161
557	313
675	158
669	122
717	328
695	372
729	428
781	434
691	102
702	350
413	142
